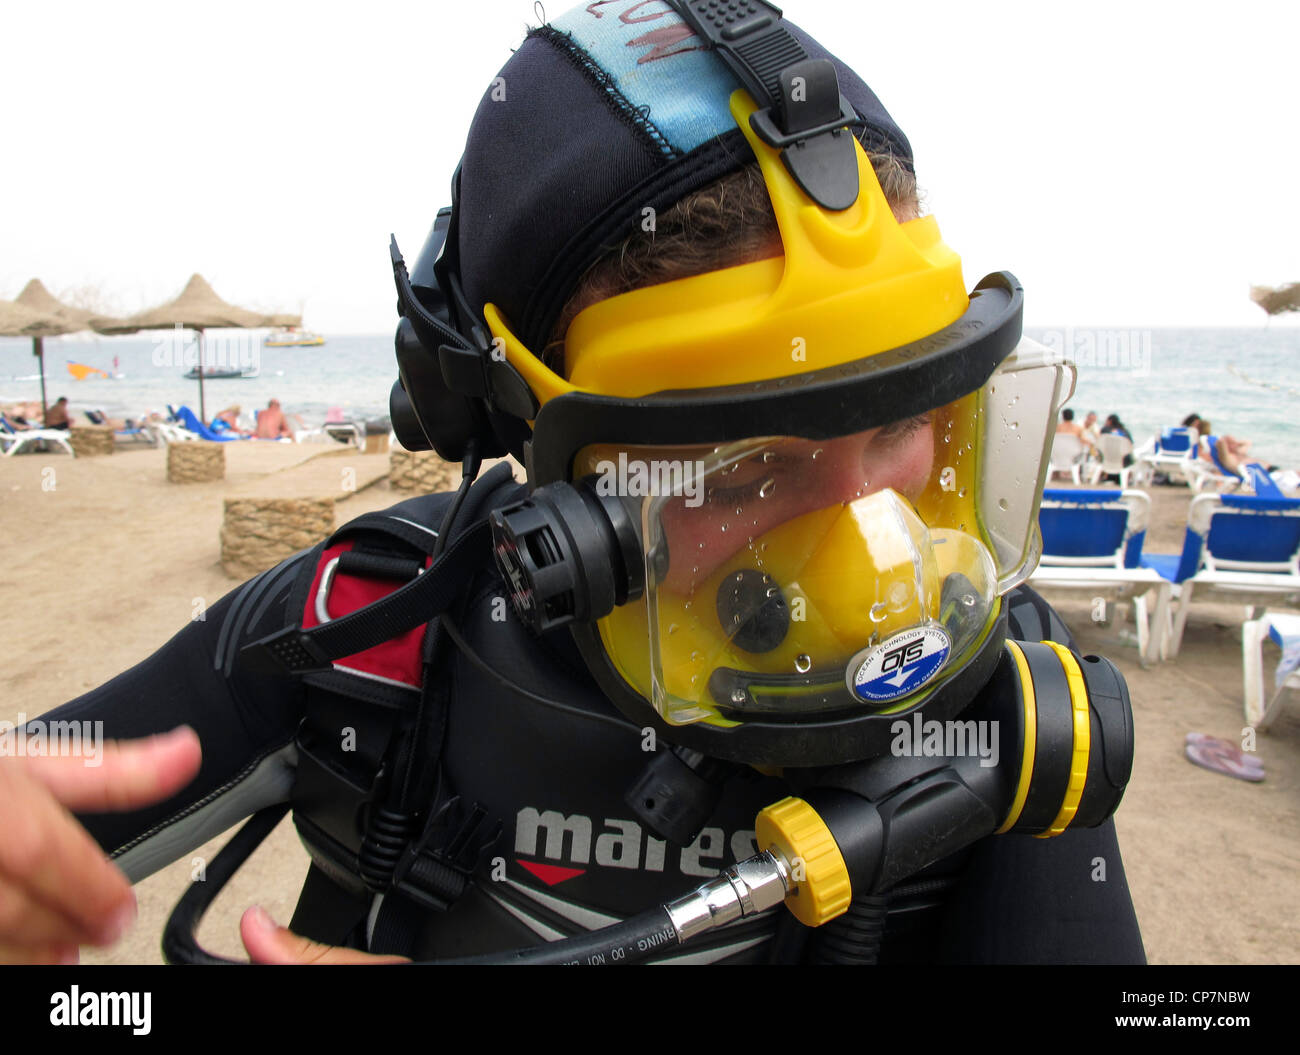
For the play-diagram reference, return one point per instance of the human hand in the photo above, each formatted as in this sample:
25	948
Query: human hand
268	943
58	890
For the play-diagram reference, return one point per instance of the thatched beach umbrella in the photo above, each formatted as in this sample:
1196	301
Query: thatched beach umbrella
40	299
197	308
19	320
1277	300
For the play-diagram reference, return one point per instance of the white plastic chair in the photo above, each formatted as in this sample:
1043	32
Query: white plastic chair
1284	631
1114	449
1067	453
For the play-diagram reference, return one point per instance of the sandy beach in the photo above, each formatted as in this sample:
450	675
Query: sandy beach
108	560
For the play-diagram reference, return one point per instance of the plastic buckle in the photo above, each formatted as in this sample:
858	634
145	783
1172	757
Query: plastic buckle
435	876
286	652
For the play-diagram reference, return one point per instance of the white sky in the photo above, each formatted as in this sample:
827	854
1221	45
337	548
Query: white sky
1133	163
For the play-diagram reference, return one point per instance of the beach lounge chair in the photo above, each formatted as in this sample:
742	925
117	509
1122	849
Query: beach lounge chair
191	421
139	432
16	439
1283	631
1173	453
170	432
1092	544
1067	456
1238	549
1114	449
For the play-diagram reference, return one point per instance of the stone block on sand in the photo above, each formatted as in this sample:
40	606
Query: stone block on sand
422	472
197	462
90	440
258	533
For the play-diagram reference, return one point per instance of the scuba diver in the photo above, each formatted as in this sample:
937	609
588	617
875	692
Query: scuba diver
783	481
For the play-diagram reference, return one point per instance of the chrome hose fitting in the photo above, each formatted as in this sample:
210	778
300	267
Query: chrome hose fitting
745	889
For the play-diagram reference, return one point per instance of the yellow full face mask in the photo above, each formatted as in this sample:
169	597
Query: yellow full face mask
791	577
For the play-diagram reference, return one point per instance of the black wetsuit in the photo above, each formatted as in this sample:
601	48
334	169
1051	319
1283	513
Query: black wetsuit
571	855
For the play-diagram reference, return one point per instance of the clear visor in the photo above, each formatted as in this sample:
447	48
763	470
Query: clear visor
788	577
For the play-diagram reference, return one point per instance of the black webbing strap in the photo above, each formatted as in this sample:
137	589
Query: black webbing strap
297	651
749	38
801	109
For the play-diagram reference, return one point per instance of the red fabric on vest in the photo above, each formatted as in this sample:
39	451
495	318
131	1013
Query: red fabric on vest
398	659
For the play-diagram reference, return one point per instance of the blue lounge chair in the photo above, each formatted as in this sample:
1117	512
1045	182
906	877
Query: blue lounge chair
1092	544
1238	549
1283	631
191	421
1173	453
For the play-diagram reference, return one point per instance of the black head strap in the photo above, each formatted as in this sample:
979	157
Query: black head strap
804	113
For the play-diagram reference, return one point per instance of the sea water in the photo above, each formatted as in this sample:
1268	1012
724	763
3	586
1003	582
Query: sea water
1245	381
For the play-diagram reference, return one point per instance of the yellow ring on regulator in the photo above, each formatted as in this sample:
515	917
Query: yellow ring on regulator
1082	740
1031	737
795	829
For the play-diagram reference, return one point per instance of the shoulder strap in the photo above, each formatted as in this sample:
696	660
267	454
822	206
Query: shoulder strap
295	651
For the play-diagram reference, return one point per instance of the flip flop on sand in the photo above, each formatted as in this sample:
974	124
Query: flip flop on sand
1223	756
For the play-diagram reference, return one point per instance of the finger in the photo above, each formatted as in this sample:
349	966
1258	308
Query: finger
129	773
50	859
57	954
30	924
268	943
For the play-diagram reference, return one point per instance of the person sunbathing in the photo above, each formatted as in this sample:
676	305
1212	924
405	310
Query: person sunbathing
228	421
272	424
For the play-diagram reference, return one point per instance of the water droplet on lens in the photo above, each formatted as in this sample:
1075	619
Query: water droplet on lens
738	511
772	591
767	457
762	546
877	612
695	656
968	599
803	663
672	628
1014	425
1003	504
816	454
947	438
723	527
737	695
768	487
961	493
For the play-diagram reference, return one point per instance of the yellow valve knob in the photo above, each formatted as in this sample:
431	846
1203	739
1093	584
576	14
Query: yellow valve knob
822	889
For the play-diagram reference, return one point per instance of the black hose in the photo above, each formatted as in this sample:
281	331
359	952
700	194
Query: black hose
179	941
631	941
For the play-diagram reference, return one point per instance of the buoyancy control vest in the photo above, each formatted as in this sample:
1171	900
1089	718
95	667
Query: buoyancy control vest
464	788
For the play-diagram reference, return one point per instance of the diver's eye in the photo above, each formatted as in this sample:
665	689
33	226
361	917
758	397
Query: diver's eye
903	430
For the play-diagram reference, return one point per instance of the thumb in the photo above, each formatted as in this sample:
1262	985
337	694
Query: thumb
268	943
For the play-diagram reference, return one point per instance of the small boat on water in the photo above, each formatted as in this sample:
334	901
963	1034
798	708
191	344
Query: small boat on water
292	337
214	374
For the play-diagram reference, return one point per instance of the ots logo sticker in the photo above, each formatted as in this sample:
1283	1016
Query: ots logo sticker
900	665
